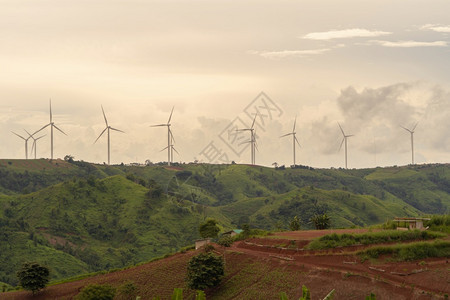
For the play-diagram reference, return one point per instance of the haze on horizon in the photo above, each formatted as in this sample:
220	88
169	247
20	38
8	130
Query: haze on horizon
372	66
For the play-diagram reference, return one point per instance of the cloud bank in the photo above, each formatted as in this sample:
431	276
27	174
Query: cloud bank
345	34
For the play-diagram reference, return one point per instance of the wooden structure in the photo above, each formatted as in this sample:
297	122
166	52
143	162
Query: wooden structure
201	243
233	232
411	223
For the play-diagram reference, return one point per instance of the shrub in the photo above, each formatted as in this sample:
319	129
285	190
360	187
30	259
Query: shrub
321	221
33	277
209	229
97	292
128	290
204	271
226	241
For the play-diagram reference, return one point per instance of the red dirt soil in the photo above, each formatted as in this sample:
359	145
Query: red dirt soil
259	269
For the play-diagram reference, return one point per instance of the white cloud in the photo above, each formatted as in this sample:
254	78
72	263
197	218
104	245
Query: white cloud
437	28
288	53
409	44
346	33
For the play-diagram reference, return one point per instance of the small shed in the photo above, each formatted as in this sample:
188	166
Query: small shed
233	232
411	223
201	243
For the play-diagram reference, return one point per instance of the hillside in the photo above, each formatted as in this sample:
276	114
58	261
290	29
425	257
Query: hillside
78	217
261	268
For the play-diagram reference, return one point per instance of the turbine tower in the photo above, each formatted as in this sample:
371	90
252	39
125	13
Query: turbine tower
34	146
252	141
52	125
344	139
294	138
411	131
26	143
108	128
170	139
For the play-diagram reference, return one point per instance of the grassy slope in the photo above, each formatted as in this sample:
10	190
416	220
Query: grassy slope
108	221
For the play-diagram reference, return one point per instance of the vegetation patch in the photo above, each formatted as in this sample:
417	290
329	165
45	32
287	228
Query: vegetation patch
341	240
409	252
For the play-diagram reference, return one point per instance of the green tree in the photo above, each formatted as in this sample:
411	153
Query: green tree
33	277
204	271
97	292
295	224
209	229
321	221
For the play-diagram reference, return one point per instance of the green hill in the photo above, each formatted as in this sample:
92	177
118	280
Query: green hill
78	217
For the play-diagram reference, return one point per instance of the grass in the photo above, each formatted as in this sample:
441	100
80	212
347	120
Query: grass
409	252
341	240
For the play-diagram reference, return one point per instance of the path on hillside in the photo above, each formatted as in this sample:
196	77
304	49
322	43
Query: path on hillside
430	276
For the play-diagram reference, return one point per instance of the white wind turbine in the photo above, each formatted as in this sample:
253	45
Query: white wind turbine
26	143
411	131
344	140
52	125
252	141
34	146
170	139
294	138
108	128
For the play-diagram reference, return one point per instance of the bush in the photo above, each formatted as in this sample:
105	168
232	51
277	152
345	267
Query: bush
209	229
97	292
33	277
128	290
226	241
321	221
204	271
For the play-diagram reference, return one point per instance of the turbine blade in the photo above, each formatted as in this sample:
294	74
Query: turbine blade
106	121
101	134
295	121
41	128
164	149
286	134
254	119
116	129
30	135
405	128
341	144
51	116
414	127
175	150
59	129
246	142
297	141
32	146
171	135
19	136
159	125
39	138
341	129
170	117
350	135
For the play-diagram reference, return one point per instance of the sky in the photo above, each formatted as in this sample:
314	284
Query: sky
371	66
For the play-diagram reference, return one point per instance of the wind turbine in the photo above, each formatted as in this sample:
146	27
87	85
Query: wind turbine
26	143
411	131
170	139
294	138
34	146
252	141
344	139
108	128
52	125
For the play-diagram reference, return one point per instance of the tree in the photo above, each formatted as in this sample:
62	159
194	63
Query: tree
321	221
209	229
96	292
295	224
204	271
33	277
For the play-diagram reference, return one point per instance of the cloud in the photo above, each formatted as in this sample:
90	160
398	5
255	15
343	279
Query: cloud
343	34
377	114
409	44
437	28
289	53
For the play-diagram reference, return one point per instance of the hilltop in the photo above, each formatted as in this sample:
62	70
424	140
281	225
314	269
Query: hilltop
79	217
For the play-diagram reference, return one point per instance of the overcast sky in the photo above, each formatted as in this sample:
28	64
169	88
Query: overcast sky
372	66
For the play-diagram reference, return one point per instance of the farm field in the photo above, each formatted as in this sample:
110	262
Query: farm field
261	268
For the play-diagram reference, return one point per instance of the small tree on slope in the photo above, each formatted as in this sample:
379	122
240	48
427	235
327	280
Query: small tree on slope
33	277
